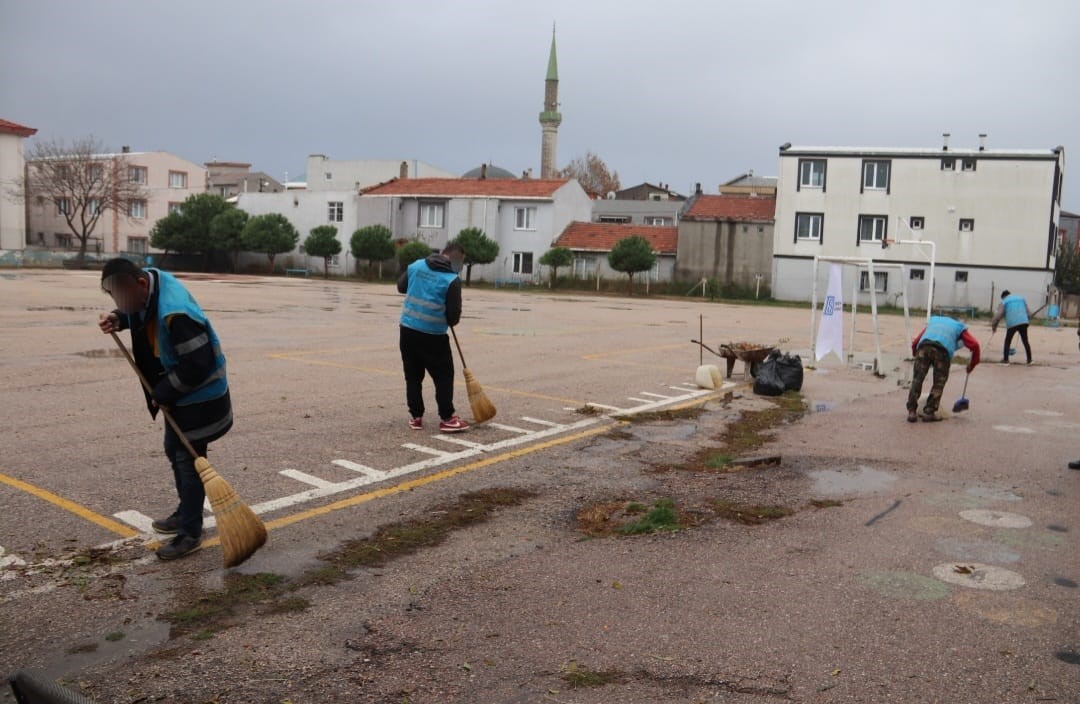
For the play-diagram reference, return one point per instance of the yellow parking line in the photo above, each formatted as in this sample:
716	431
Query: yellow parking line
419	482
78	509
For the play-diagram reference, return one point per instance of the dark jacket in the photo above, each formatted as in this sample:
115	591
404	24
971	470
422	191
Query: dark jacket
437	262
195	364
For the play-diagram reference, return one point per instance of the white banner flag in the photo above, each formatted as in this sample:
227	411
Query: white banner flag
830	334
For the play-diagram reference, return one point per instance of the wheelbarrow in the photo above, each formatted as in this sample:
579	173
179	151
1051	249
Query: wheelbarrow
750	354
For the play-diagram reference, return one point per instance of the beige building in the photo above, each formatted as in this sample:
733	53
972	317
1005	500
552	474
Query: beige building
231	178
168	180
12	210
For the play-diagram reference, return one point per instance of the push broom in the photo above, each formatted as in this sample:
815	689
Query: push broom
482	407
239	529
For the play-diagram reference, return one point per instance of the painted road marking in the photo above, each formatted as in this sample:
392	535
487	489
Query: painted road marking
976	575
604	406
140	521
1014	429
363	469
456	441
652	395
305	478
996	519
639	400
426	449
537	421
70	506
508	428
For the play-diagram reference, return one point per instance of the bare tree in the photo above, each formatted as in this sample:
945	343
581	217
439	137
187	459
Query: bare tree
82	181
592	173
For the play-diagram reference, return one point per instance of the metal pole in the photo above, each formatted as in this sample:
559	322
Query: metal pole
854	309
873	313
907	311
701	338
813	313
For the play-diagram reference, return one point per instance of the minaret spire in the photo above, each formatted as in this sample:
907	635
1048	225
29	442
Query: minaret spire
550	118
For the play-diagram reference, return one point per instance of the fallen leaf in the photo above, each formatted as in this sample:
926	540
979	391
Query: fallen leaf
836	673
963	569
616	585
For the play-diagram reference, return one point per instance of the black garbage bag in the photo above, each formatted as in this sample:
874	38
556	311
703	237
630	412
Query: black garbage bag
768	381
790	369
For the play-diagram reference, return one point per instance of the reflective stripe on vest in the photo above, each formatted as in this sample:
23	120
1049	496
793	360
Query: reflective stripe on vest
944	331
1015	311
174	299
424	308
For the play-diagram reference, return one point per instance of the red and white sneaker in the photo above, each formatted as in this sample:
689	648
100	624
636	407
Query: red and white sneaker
453	425
416	423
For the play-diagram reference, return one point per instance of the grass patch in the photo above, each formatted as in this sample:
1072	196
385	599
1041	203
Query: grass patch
114	636
291	604
82	648
396	540
751	430
749	514
588	410
218	610
662	517
578	677
719	461
324	576
825	503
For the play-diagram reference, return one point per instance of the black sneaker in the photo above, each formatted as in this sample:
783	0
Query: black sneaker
167	526
1074	465
912	417
181	545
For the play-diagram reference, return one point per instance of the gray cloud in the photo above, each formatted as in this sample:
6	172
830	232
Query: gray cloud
677	91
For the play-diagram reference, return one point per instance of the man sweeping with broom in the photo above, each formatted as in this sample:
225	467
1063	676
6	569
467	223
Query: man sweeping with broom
934	348
178	354
432	306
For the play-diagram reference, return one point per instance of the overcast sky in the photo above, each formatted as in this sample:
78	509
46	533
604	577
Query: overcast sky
668	91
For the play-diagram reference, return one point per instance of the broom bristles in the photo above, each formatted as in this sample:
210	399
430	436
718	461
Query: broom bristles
241	532
482	408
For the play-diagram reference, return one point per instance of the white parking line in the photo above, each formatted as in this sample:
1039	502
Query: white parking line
546	423
639	400
305	478
509	428
660	396
426	449
456	441
363	469
139	521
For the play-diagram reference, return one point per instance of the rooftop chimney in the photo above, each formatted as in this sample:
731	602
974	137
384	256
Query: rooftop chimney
945	137
982	142
697	188
125	149
483	171
403	171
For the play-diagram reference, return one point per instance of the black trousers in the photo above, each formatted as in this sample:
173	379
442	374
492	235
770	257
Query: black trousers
1022	329
420	353
189	486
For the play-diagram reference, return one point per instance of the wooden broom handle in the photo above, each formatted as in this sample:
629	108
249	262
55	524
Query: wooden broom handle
150	390
458	345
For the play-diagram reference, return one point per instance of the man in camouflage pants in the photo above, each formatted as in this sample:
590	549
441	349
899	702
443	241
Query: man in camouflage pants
934	348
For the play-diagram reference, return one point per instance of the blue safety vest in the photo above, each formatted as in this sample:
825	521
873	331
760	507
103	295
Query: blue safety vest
944	331
424	309
174	299
1015	311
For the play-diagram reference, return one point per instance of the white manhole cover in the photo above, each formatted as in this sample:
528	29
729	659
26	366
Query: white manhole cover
996	519
975	575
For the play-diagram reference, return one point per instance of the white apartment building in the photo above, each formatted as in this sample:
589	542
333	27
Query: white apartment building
992	214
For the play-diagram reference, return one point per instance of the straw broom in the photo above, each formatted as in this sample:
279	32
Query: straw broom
482	407
239	529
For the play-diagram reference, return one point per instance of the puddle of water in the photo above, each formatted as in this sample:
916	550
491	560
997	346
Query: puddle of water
898	584
1065	582
1028	539
864	480
987	492
976	550
138	637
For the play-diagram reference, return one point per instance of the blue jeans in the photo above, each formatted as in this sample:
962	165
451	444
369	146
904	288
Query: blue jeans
188	485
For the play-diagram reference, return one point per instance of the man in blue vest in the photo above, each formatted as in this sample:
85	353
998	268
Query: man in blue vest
432	305
935	347
178	352
1017	316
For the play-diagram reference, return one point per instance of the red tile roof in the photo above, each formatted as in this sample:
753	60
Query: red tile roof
739	208
602	236
467	187
7	127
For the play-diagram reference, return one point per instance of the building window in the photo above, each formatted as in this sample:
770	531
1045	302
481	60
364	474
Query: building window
617	219
431	214
63	206
881	281
177	179
137	174
174	208
96	173
961	277
523	262
916	222
335	261
582	268
872	228
93	206
658	221
876	175
137	209
812	173
948	164
336	211
328	176
63	240
968	165
137	245
761	229
918	275
967	225
657	196
808	226
524	218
